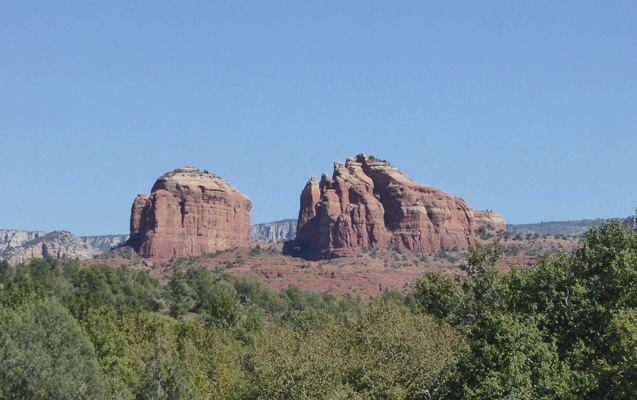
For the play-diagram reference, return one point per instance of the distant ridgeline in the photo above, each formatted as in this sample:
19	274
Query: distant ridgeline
286	229
274	231
569	228
20	246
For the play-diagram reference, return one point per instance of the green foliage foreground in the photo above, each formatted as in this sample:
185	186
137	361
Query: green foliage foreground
562	329
566	328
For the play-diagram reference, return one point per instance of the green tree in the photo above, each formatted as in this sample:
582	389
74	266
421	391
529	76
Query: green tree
221	305
395	354
180	294
42	275
482	257
202	282
6	273
44	354
439	294
510	358
620	373
143	354
102	284
302	363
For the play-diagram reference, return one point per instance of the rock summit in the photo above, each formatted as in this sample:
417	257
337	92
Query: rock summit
188	213
370	203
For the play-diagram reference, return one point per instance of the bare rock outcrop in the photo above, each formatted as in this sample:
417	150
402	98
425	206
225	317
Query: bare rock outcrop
188	213
105	242
58	244
20	246
370	203
488	219
12	238
274	231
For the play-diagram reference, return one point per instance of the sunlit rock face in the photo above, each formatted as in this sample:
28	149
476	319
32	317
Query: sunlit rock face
272	232
489	219
188	213
370	203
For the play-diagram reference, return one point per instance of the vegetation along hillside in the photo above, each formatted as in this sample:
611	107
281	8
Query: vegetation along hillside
565	328
569	228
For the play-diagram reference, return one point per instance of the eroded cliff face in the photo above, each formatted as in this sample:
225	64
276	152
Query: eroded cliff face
370	203
20	246
274	231
12	238
58	244
105	242
188	213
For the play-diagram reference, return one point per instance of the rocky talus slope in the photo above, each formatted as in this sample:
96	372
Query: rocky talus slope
370	203
189	212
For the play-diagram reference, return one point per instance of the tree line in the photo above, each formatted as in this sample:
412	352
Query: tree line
565	328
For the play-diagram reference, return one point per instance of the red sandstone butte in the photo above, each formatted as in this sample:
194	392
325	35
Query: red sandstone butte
189	213
370	203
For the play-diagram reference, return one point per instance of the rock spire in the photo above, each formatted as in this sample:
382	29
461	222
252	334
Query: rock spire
370	203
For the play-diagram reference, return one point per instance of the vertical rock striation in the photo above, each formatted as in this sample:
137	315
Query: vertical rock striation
12	238
370	203
189	213
274	231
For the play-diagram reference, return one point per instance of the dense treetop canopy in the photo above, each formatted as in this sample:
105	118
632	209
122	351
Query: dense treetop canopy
565	328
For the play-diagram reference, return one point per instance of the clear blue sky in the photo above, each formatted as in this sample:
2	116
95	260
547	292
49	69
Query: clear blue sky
527	108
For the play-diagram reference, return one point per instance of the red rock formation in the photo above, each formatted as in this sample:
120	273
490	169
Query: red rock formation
488	218
340	215
188	213
371	203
